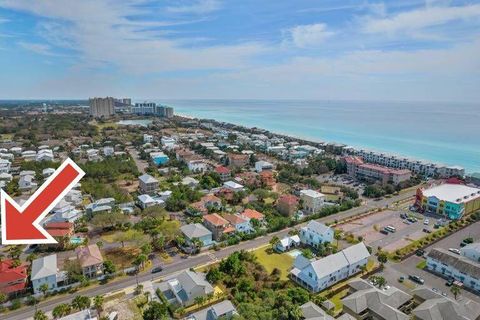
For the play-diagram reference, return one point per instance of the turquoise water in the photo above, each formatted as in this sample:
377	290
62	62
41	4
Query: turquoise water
139	122
76	240
440	132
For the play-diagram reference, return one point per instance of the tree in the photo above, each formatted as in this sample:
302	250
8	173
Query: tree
3	297
109	267
98	303
455	290
14	252
380	281
108	219
134	236
44	288
32	256
40	315
382	257
155	311
81	302
61	310
140	260
274	241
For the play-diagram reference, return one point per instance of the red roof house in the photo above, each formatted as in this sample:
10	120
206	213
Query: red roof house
12	279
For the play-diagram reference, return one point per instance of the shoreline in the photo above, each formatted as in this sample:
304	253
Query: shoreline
318	141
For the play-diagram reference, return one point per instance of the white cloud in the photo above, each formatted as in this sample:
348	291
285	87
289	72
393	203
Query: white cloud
197	7
37	48
421	18
103	34
309	35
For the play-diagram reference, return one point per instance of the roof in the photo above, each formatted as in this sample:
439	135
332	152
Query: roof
145	198
59	225
44	267
234	219
252	214
461	263
285	242
384	303
222	170
289	199
189	280
215	219
312	193
195	230
318	227
472	246
311	311
9	274
214	311
89	255
456	193
233	185
146	178
356	253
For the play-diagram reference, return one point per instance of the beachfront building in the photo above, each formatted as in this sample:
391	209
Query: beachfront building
143	108
147	184
317	275
451	265
312	200
360	170
450	200
417	166
315	233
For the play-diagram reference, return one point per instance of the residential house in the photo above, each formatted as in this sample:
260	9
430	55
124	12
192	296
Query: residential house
29	155
159	158
13	280
197	231
224	173
91	260
310	311
263	165
223	310
60	231
312	200
238	160
366	301
250	214
146	201
184	155
44	271
147	184
5	166
317	275
5	178
27	182
267	179
65	211
239	223
458	267
197	165
147	138
101	205
217	225
108	151
287	243
315	233
187	286
232	185
287	204
47	172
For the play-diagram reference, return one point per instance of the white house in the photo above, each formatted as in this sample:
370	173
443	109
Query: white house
47	172
65	211
189	285
45	155
27	182
263	165
147	138
317	275
232	185
108	151
44	271
5	166
29	155
146	201
312	200
315	233
197	166
471	251
288	243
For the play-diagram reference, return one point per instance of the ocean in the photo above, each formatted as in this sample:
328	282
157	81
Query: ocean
440	132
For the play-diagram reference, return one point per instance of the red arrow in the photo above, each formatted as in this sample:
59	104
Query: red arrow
21	225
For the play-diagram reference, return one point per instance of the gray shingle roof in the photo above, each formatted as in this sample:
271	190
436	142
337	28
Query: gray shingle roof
190	280
195	230
318	227
44	267
311	311
456	261
146	178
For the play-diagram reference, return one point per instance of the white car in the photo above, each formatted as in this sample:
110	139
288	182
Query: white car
426	222
454	250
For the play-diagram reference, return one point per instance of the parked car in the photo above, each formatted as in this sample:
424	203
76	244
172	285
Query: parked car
403	215
420	252
157	269
383	231
401	279
449	282
454	250
426	230
412	219
426	222
416	279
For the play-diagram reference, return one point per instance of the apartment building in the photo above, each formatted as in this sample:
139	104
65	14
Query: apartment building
102	107
312	200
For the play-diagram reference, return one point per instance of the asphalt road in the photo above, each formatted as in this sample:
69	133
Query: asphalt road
192	261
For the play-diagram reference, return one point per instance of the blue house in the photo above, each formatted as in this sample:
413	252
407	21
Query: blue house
315	233
197	231
159	158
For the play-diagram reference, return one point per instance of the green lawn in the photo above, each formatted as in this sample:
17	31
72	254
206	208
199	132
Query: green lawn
422	264
273	260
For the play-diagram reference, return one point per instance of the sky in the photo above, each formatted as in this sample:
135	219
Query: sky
397	50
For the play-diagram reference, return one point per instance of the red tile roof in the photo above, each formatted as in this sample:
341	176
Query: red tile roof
252	214
222	170
229	229
215	219
234	219
59	225
289	199
9	274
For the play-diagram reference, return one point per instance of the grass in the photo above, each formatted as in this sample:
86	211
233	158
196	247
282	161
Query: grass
422	264
100	126
271	260
217	295
122	257
337	300
6	136
109	237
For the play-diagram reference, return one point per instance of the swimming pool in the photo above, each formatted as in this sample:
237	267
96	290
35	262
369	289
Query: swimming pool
294	253
76	240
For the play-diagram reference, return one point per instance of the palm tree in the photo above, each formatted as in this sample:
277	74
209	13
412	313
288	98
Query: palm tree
380	281
338	237
81	302
61	310
98	304
40	315
32	256
44	288
274	241
455	290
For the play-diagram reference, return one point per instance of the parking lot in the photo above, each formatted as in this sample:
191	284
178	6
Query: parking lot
370	227
409	266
